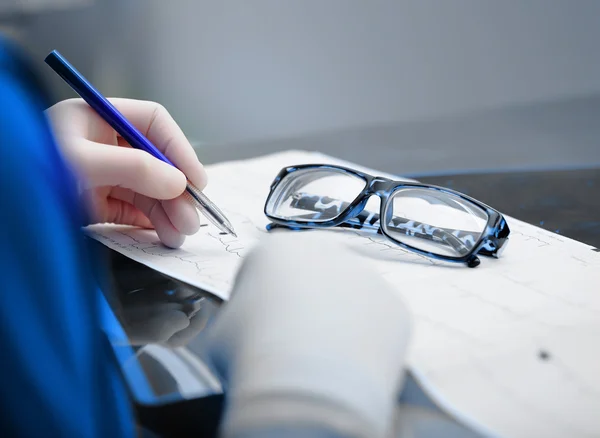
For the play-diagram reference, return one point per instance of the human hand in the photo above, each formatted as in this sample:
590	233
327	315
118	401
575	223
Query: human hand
128	186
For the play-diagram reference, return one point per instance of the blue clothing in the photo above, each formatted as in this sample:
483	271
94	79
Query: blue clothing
58	376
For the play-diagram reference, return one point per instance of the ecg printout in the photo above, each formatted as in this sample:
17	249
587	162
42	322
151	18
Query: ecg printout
511	347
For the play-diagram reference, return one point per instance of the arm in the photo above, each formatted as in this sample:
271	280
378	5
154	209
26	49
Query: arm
322	357
58	378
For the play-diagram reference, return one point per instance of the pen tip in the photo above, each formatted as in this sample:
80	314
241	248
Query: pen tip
229	228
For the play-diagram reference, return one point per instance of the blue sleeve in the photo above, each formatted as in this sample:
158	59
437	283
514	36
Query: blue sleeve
58	376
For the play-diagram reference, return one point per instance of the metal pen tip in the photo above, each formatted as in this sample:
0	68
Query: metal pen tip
209	209
230	229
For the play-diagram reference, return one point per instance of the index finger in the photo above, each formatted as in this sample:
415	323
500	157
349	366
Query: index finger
155	122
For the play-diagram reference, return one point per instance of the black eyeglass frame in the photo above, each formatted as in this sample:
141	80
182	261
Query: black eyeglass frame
491	242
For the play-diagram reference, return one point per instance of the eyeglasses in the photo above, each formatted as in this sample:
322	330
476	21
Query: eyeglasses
429	220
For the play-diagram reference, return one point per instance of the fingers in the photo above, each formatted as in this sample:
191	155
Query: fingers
167	233
183	215
171	219
121	212
155	122
154	211
75	120
126	167
153	179
92	147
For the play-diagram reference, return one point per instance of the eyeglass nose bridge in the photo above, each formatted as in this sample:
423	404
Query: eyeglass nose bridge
378	186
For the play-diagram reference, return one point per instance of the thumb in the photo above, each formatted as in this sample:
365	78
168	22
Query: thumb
104	165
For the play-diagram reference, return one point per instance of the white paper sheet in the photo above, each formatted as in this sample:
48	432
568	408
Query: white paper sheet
511	347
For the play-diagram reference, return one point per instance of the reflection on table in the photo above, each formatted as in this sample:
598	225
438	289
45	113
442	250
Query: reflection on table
164	320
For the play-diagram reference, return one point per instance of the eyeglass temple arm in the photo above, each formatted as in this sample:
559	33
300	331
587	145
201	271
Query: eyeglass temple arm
460	241
439	235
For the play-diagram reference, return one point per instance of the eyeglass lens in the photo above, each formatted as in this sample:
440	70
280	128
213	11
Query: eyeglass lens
434	221
339	187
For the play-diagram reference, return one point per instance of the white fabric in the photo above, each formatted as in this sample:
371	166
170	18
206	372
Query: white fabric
324	343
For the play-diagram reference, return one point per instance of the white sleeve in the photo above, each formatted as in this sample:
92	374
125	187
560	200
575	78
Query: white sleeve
311	337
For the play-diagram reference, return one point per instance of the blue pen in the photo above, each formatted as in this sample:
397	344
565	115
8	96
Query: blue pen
131	134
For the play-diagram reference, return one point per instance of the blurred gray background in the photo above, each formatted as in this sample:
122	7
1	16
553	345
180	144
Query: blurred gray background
411	87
